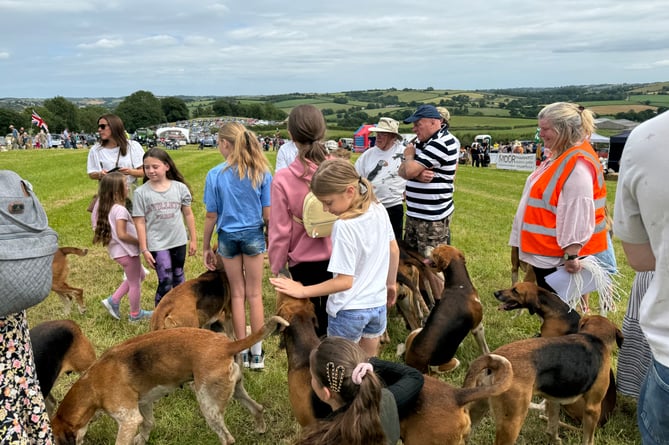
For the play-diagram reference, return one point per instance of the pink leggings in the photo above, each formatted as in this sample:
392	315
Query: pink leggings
134	272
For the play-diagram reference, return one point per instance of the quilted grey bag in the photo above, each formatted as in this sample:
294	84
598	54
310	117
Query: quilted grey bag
27	246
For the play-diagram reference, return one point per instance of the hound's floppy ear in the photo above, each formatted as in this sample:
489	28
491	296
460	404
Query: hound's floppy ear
582	322
437	261
619	337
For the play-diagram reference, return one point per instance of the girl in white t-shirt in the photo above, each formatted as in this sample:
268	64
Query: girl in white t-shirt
364	257
115	229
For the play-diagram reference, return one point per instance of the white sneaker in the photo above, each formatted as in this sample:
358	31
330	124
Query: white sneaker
258	362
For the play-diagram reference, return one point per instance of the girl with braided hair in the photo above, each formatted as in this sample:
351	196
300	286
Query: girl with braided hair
364	411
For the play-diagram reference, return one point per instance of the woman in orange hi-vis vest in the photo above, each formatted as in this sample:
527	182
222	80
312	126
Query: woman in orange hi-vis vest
561	214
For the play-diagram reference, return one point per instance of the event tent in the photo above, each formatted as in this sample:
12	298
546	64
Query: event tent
599	139
361	138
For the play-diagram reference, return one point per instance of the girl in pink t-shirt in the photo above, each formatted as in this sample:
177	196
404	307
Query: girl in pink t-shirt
115	229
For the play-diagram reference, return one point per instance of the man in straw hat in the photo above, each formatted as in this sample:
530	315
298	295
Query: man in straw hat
429	167
380	164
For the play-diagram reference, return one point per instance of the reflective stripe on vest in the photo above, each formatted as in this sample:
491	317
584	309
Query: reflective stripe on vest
538	232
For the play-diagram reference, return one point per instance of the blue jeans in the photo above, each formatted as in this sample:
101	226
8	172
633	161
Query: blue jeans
249	242
652	407
353	324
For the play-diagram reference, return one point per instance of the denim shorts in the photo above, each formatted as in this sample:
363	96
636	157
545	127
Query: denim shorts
354	324
652	407
247	242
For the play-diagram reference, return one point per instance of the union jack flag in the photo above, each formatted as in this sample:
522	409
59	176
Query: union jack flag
39	121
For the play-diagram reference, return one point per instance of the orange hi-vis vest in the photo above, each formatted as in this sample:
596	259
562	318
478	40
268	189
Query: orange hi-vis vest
538	234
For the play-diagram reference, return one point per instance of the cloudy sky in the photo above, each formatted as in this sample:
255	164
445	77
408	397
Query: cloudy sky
112	48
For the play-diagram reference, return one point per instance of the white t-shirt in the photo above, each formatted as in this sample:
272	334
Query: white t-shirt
642	216
285	156
383	166
101	158
361	248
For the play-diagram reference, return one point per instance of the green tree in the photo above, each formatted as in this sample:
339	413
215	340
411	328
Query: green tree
222	107
140	109
175	109
62	114
88	117
9	117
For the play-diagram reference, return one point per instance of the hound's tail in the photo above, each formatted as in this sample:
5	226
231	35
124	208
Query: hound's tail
478	384
273	325
73	250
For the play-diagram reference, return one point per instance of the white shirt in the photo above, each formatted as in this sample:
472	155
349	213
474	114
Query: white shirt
100	158
642	216
285	156
361	249
384	165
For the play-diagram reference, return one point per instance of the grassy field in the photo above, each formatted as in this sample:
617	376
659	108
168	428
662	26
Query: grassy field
486	200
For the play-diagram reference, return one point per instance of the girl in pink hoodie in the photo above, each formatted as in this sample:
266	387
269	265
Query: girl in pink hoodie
307	258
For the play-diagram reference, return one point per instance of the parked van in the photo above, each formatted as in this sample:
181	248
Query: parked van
483	138
347	143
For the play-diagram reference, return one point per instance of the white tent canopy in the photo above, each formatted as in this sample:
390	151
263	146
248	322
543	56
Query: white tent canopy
598	139
173	131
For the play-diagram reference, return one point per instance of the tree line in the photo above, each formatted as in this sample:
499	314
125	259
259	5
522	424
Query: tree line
140	109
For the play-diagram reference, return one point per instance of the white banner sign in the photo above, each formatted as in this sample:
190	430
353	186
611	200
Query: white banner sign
513	161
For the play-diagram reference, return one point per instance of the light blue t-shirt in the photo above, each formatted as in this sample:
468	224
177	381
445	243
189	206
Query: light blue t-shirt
238	204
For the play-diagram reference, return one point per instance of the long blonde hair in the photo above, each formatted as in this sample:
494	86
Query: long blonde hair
334	176
359	423
246	154
572	123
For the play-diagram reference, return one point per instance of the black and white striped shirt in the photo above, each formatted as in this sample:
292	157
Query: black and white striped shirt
433	201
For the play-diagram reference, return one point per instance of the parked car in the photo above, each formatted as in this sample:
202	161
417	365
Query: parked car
56	140
208	141
91	139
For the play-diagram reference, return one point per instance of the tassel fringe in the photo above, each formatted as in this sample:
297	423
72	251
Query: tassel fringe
606	284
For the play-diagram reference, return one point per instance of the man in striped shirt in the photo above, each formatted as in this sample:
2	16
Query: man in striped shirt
429	168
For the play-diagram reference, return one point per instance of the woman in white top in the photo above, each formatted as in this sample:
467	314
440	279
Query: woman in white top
115	151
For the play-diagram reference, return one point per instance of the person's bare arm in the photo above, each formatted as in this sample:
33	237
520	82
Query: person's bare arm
640	256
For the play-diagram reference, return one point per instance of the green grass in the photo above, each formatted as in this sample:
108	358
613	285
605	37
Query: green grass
485	199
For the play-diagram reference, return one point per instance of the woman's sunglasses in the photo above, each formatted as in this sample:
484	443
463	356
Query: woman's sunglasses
102	126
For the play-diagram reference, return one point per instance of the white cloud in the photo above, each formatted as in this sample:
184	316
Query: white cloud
222	47
160	40
102	43
4	55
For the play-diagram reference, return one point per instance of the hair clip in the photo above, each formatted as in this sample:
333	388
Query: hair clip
581	108
362	188
335	375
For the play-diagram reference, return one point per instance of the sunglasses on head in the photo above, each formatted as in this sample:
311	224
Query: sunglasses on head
102	126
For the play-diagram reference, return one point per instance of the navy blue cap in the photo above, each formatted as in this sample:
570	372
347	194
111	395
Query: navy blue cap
429	111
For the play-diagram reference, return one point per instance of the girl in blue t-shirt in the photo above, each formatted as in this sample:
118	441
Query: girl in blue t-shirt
237	199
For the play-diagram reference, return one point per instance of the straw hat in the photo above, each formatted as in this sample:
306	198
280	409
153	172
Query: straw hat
387	125
445	115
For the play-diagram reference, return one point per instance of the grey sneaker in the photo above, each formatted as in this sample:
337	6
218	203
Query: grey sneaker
111	308
258	362
141	316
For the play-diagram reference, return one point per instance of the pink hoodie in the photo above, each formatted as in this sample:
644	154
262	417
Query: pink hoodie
288	241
